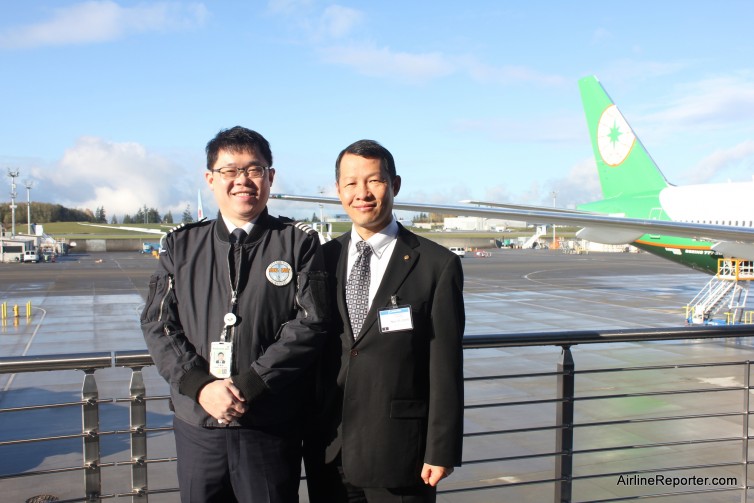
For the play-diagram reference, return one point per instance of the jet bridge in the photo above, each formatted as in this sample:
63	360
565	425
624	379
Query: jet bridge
726	293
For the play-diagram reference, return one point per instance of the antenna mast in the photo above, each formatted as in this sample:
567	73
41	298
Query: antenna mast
13	175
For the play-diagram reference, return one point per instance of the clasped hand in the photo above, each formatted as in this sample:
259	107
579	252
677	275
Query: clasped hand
222	400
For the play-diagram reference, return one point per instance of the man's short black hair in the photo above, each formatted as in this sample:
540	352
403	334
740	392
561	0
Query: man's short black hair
238	139
369	149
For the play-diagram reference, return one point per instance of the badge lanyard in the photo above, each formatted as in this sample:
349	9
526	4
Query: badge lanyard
221	352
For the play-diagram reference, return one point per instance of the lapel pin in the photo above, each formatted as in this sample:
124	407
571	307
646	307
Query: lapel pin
406	257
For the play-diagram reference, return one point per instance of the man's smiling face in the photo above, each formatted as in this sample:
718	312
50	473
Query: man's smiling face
243	198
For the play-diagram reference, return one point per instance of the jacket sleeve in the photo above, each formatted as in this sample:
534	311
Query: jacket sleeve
445	416
173	354
299	340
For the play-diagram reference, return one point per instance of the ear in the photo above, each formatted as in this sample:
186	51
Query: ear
209	177
396	185
271	175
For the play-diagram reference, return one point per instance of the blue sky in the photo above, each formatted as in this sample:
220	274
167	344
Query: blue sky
110	103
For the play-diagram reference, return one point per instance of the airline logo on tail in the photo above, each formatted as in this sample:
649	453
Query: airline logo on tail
614	138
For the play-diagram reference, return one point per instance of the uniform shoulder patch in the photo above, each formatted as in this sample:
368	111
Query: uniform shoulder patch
189	225
302	226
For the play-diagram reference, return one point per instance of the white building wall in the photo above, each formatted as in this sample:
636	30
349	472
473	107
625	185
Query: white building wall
478	224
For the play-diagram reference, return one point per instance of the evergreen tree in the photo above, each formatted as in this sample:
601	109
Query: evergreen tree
186	218
114	220
153	216
168	219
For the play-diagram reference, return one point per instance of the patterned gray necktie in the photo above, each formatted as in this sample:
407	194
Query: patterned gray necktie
357	288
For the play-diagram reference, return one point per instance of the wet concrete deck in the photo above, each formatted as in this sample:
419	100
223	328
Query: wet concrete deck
92	302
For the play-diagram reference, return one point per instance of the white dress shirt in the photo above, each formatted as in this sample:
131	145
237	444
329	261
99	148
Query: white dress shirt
231	226
382	244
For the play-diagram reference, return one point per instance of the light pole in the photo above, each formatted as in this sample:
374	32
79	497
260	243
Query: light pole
554	195
13	175
28	184
321	210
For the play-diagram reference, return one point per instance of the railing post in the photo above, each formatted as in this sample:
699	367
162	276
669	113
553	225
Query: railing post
564	424
745	447
90	429
138	409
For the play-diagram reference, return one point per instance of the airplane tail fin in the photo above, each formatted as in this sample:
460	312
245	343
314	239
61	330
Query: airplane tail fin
624	165
199	210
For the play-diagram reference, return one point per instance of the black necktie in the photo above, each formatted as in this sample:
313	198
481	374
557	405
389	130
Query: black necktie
357	288
238	236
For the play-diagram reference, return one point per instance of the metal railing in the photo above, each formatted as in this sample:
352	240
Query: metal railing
561	421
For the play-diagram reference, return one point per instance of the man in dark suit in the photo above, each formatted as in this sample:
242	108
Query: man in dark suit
399	395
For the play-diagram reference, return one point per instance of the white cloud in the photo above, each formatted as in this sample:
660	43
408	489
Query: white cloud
422	67
505	75
338	21
580	185
723	160
601	35
555	129
121	177
101	21
385	63
714	103
288	7
636	71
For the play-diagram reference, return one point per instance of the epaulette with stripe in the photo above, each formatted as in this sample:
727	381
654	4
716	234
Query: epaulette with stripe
303	226
187	225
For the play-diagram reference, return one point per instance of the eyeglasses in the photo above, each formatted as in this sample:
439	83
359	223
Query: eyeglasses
233	173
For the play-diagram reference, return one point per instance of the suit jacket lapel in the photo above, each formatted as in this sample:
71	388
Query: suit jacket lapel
342	277
401	262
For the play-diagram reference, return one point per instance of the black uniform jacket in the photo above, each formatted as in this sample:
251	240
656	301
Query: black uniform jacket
281	310
401	392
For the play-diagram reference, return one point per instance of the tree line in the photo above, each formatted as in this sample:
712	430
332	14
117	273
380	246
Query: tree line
42	213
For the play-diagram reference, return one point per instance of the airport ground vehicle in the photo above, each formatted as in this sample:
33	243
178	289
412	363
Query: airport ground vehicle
150	247
458	250
31	256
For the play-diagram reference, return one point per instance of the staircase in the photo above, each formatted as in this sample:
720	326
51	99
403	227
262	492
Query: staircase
534	238
726	292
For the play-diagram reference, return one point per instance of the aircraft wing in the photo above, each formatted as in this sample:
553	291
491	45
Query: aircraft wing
123	228
596	227
527	207
141	230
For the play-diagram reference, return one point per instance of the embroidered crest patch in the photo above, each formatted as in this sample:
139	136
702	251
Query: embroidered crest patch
279	273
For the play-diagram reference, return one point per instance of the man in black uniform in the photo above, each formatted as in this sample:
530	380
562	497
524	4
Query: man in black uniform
252	287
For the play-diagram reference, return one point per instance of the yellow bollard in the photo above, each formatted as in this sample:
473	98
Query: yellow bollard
15	310
28	310
4	310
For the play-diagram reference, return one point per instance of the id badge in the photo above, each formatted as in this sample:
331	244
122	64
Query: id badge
395	319
220	358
